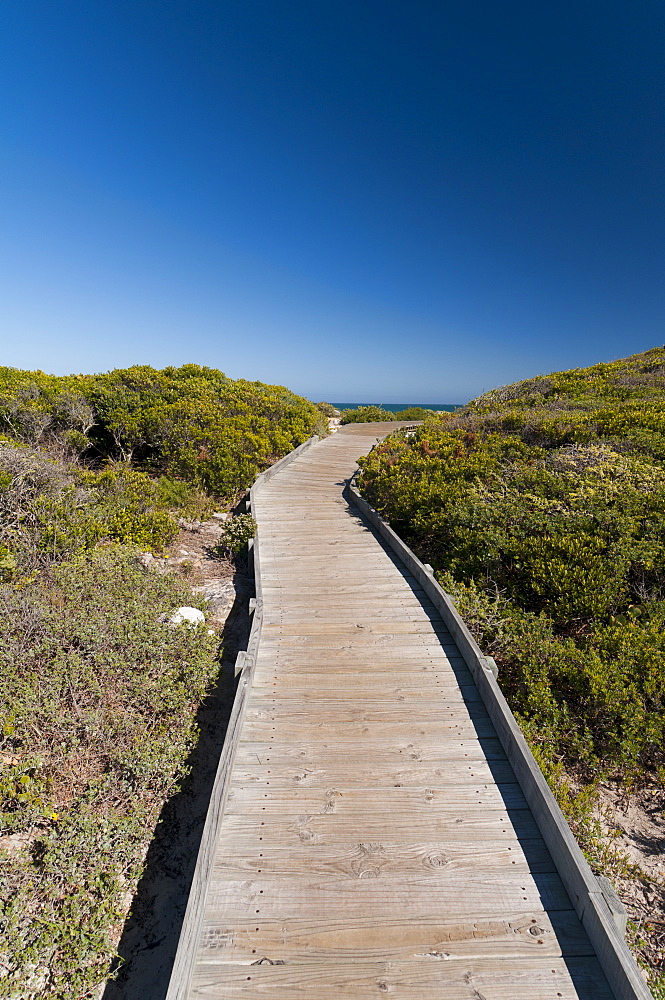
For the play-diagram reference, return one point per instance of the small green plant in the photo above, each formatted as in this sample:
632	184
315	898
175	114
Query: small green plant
412	413
77	441
184	498
7	563
236	533
657	986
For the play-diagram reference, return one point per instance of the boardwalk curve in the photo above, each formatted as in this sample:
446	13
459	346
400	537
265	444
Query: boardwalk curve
372	836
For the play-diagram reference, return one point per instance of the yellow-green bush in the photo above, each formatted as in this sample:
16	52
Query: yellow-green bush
543	506
372	414
49	510
191	423
98	698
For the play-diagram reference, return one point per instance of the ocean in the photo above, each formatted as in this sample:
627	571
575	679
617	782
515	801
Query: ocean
396	407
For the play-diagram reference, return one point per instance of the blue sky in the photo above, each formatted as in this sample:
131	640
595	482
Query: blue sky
382	201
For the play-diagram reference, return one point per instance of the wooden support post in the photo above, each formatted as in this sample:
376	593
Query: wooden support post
492	665
616	907
240	662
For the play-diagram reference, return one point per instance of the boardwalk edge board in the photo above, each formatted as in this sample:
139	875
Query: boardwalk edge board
183	966
585	891
597	915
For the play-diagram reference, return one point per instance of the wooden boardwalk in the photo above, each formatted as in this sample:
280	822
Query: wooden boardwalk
374	838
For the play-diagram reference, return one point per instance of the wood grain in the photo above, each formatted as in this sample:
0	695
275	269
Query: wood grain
484	894
384	860
416	979
354	774
378	751
436	800
371	939
374	837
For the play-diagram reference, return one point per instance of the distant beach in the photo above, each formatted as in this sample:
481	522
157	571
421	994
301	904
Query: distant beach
396	407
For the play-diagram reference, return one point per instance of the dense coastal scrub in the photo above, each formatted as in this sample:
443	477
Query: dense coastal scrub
541	506
189	423
98	691
99	701
372	414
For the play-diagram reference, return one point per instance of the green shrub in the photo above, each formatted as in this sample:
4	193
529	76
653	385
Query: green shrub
97	714
369	414
551	494
411	413
7	564
327	409
236	533
365	414
189	501
49	511
190	423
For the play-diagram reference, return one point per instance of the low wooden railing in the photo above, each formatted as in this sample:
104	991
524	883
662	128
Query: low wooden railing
190	934
593	899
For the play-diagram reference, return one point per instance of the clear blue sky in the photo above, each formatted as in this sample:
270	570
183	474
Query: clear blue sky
372	200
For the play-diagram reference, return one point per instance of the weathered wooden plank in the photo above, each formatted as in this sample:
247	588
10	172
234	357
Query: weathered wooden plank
355	773
485	893
521	978
303	696
369	938
389	649
435	800
384	860
446	675
424	644
440	703
327	730
378	751
498	826
289	603
412	684
381	660
411	702
364	643
343	588
368	628
327	663
347	616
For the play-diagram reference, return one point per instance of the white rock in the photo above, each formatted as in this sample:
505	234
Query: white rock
190	615
224	516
